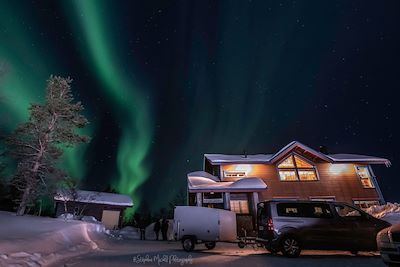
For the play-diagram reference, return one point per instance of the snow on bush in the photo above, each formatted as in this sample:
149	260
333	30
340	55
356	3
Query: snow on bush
66	216
89	219
389	212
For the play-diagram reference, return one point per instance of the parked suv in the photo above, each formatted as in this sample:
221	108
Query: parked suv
389	245
290	226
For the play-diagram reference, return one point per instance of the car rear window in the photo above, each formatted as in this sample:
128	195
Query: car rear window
310	210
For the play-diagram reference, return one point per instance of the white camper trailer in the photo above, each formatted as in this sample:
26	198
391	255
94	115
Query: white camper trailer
194	225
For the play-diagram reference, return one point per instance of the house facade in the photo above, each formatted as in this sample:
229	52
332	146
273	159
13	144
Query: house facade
239	182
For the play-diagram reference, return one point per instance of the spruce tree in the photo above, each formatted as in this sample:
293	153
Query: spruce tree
37	144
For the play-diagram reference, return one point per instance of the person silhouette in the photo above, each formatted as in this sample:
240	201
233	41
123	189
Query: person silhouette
157	227
164	229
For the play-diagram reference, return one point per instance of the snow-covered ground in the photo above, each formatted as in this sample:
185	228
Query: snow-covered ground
40	241
389	212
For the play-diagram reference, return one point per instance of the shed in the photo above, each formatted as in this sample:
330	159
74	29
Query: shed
105	207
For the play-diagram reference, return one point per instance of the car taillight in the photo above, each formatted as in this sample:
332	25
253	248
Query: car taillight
270	224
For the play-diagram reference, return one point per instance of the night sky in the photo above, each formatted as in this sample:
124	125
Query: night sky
164	82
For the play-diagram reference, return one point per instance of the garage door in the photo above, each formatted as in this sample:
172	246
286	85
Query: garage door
110	218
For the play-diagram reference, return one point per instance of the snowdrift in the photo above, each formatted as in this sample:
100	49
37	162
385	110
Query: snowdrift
39	241
389	212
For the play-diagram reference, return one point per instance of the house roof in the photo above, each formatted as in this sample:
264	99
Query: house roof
201	181
272	158
95	197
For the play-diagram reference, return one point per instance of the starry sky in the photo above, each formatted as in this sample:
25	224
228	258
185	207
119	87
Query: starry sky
164	82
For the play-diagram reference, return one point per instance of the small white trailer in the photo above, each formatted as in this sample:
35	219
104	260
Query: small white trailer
195	225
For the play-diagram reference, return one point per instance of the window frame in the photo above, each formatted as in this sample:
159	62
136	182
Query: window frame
370	178
240	212
323	198
235	174
297	169
362	214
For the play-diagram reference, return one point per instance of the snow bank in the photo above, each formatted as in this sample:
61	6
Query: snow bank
39	241
389	212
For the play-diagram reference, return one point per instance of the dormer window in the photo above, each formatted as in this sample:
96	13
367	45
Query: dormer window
295	168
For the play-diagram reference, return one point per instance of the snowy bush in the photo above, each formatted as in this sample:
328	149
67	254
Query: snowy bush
389	212
89	219
66	216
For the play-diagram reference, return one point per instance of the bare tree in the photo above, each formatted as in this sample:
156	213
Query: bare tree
37	144
67	191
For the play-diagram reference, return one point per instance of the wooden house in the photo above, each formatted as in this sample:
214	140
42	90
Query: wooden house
239	182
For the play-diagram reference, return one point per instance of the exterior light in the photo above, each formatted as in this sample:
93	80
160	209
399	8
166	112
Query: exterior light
338	168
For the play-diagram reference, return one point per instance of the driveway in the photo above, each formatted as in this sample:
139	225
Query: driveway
158	253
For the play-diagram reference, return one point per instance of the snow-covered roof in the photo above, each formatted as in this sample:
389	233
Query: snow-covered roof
95	197
202	174
223	158
273	158
206	183
358	158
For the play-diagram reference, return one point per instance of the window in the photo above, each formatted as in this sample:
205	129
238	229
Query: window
290	209
294	168
318	210
363	204
234	174
365	176
347	211
212	198
240	206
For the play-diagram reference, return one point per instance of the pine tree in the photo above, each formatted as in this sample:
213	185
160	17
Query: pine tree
37	144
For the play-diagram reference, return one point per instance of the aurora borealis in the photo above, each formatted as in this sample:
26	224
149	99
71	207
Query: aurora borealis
164	82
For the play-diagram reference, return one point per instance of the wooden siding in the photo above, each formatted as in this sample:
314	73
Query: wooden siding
338	180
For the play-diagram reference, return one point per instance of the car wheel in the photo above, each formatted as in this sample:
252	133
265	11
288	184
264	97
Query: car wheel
210	245
241	244
188	244
290	246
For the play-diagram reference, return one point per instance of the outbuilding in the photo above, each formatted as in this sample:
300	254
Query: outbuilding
105	207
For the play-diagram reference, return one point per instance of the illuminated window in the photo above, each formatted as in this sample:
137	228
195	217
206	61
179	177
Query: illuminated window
363	204
234	174
365	176
240	206
294	168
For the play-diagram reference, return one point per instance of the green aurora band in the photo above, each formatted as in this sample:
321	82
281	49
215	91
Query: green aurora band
25	74
130	105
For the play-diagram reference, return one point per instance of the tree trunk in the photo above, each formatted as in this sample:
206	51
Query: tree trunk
24	202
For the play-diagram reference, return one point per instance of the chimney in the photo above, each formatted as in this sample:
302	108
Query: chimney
323	149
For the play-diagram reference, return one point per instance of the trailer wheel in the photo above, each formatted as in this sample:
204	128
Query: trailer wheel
188	243
241	244
210	245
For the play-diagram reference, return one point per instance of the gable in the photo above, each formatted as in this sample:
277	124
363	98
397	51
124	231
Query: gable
305	151
293	160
